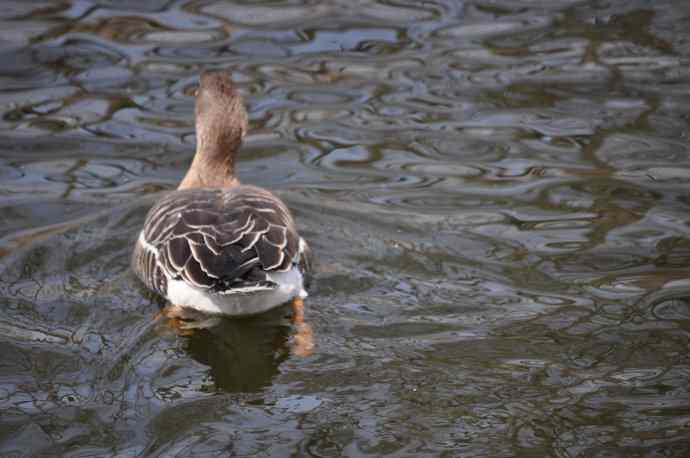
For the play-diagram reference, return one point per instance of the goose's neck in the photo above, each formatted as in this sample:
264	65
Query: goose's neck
213	165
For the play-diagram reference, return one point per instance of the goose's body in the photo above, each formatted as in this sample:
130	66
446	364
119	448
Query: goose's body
214	245
231	251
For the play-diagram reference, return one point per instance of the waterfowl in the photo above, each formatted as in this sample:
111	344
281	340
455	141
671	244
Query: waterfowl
215	245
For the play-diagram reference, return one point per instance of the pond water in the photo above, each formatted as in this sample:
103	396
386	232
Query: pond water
497	191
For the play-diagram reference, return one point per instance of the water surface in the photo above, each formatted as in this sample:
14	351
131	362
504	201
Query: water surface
497	192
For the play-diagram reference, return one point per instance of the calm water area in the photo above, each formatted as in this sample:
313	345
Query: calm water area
497	193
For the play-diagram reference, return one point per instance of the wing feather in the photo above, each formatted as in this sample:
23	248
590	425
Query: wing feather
224	240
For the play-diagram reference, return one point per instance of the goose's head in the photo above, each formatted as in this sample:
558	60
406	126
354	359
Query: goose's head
221	123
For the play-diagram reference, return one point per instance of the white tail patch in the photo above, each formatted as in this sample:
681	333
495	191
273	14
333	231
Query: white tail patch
239	301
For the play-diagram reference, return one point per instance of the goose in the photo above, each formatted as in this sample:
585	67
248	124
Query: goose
215	245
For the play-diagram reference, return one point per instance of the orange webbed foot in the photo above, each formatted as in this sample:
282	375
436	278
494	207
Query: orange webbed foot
181	321
303	339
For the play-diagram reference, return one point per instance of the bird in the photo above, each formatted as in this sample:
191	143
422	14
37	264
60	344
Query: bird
215	245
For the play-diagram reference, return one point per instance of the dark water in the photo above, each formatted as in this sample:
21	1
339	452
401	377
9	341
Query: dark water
497	190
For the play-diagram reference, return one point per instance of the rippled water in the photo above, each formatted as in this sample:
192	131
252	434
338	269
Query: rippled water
497	191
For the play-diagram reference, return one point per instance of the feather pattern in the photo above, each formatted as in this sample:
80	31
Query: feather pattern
215	245
223	241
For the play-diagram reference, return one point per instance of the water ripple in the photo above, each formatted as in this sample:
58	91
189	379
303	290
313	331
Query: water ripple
496	192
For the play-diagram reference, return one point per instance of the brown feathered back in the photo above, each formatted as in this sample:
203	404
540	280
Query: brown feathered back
224	240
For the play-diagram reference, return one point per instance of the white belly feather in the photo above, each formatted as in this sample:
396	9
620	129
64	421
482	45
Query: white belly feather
290	285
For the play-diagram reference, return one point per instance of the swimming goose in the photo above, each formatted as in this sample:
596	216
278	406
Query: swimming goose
215	245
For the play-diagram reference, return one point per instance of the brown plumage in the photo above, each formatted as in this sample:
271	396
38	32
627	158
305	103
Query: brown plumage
213	237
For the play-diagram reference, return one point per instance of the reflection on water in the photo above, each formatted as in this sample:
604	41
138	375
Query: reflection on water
497	192
243	354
